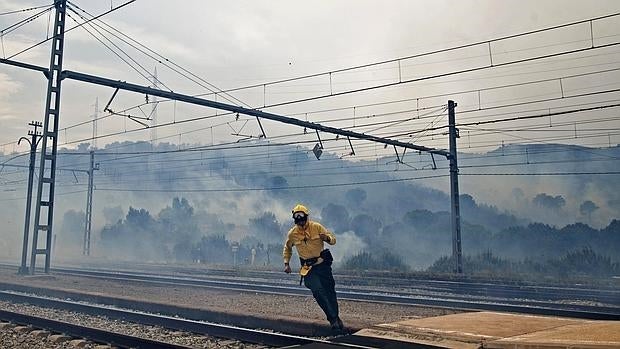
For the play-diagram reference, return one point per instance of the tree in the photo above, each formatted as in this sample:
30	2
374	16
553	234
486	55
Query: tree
587	208
72	230
355	196
366	227
177	221
266	227
274	252
548	201
419	218
335	217
215	249
467	202
139	218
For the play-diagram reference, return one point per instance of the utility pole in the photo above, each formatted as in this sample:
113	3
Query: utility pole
44	218
95	117
34	141
454	192
153	115
89	204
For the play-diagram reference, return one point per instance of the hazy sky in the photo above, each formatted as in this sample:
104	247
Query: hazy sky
238	43
232	44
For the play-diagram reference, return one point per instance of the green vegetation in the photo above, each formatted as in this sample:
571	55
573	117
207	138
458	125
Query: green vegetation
575	264
366	261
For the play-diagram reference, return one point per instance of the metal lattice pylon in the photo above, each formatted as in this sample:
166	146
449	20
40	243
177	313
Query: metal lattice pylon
44	212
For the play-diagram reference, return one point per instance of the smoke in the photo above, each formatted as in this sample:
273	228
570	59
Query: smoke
167	207
347	244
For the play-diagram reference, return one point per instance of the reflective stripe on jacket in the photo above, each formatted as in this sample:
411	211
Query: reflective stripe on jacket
307	241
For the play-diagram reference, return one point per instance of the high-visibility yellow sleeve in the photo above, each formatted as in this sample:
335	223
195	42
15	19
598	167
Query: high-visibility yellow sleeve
332	237
287	252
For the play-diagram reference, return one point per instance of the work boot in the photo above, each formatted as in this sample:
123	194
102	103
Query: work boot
336	324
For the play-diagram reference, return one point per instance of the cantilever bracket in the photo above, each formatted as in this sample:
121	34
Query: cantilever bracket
110	101
434	164
262	135
319	137
244	137
351	145
133	118
398	160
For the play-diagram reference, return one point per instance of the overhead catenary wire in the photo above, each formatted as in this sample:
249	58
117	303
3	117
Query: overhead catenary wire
165	61
500	164
425	97
394	135
24	10
252	157
411	99
270	188
70	29
19	24
592	19
547	56
199	148
545	174
444	50
141	73
322	172
348	170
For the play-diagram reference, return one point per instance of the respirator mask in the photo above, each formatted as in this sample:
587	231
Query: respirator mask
300	218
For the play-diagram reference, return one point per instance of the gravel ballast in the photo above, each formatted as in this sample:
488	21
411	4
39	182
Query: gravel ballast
298	309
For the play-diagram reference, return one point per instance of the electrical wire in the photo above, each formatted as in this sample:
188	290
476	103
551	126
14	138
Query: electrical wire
24	10
270	188
70	29
485	67
192	77
23	22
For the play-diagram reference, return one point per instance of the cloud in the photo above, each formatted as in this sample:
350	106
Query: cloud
8	86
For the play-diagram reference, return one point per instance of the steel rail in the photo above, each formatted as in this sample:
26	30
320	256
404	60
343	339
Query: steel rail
489	300
171	322
464	290
440	301
92	334
401	281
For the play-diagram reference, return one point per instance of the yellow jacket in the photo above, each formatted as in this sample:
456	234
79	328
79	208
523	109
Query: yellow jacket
307	241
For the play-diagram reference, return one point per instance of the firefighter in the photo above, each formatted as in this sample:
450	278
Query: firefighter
316	271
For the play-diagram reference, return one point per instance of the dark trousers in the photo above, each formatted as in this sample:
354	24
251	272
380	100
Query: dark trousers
321	282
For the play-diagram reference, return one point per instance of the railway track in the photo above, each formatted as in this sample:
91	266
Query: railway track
489	289
93	334
489	300
209	329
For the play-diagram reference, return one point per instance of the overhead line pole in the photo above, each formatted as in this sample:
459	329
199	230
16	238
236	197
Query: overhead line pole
454	192
34	142
89	204
45	192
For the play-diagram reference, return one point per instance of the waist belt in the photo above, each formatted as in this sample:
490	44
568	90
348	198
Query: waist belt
310	261
306	265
